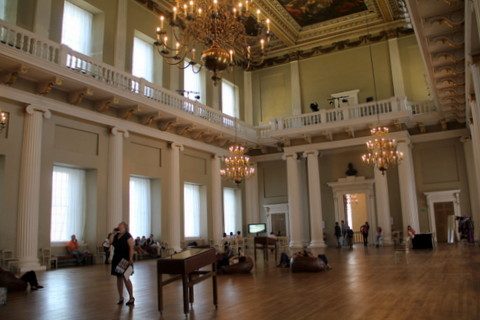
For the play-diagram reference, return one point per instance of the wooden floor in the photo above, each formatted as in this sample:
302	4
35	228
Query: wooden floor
364	284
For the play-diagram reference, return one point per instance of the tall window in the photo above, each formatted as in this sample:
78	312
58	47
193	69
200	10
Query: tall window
140	207
192	207
77	28
192	83
68	203
232	211
229	99
142	64
3	9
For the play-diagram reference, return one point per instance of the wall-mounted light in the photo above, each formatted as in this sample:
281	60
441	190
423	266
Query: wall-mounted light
3	120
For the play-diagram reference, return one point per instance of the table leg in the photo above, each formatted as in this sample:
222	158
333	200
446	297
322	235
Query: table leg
185	293
265	250
255	251
214	283
160	292
190	289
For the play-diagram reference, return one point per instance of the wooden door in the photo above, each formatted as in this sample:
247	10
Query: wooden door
279	224
442	211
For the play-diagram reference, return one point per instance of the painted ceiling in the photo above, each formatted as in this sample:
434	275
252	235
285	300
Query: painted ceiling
308	12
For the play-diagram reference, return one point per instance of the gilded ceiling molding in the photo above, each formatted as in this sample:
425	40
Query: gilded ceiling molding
452	20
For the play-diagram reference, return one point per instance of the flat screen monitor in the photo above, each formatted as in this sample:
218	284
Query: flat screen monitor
257	228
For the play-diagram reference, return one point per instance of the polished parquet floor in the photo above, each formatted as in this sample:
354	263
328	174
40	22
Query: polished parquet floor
364	284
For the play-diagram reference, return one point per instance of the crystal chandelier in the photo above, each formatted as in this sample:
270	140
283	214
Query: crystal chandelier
237	165
382	151
228	32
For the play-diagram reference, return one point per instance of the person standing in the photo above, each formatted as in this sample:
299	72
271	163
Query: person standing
364	231
106	247
349	236
123	244
344	228
379	237
338	234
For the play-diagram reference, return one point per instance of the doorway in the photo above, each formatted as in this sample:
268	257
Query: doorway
279	224
356	212
442	211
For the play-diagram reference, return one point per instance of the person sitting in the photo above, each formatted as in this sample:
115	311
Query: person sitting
138	247
239	237
411	232
324	259
143	241
151	246
74	249
284	261
12	283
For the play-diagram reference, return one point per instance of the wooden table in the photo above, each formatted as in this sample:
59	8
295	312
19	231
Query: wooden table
186	265
264	243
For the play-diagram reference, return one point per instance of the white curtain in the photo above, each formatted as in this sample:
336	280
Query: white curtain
3	9
142	64
140	207
229	99
77	28
68	203
232	211
192	207
193	82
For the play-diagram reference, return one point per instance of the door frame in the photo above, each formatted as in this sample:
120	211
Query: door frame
441	196
277	209
355	184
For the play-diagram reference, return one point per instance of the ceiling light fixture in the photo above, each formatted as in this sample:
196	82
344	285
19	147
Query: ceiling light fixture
227	32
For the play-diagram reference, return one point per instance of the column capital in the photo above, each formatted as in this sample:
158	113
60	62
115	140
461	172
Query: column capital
293	155
119	131
465	138
31	109
174	145
313	153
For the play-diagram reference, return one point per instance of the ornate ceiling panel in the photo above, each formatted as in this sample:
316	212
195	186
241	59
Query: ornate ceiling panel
440	31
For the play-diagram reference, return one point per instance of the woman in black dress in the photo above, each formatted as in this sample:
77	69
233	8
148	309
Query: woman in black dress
123	244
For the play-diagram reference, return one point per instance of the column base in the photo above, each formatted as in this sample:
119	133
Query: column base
26	265
317	244
295	244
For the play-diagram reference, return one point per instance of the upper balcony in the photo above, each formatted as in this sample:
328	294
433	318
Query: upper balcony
120	94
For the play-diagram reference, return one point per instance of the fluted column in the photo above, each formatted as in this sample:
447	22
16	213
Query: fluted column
408	190
251	197
217	208
383	206
115	177
295	88
294	200
29	189
315	200
174	227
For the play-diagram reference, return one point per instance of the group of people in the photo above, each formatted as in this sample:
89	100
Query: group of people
148	246
344	234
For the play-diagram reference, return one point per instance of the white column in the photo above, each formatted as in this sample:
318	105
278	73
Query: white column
29	189
472	181
251	197
115	177
174	227
295	88
121	35
294	201
41	26
217	208
396	67
408	190
248	97
383	206
314	200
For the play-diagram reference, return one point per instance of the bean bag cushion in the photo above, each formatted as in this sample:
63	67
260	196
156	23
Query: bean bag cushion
12	283
240	267
306	264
